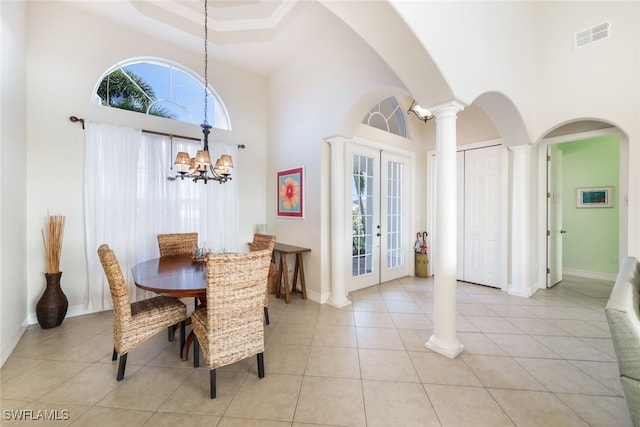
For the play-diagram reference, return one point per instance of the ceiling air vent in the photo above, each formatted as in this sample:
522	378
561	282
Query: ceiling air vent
591	35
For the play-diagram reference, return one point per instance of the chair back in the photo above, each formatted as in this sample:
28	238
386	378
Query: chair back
117	285
235	295
177	243
262	241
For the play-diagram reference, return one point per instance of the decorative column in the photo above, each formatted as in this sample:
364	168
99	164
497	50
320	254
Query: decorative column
338	296
520	221
444	340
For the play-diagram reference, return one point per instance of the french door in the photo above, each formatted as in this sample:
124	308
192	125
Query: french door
378	209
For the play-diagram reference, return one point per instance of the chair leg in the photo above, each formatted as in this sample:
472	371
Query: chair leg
171	333
266	315
196	353
115	354
212	383
260	365
122	366
183	337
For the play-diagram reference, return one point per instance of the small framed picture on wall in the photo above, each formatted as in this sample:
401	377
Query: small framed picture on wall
291	193
594	197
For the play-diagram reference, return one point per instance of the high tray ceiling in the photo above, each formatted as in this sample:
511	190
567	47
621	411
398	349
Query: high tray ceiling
254	34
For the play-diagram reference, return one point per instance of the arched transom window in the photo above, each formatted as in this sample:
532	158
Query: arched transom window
160	88
387	116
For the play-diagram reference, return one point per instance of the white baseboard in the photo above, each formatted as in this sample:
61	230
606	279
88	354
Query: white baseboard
596	275
72	311
313	296
9	345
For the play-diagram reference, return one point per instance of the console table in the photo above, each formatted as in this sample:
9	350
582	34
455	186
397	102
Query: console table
283	271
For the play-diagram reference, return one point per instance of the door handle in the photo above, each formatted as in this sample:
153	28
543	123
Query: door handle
563	231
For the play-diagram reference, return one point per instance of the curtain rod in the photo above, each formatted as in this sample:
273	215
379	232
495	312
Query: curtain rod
75	119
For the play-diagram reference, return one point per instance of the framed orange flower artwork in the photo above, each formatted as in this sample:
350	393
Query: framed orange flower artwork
291	193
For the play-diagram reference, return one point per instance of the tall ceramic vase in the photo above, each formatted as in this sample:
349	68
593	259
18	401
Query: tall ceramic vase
53	304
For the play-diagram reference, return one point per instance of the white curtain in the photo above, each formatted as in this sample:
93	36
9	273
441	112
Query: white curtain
129	200
111	158
178	206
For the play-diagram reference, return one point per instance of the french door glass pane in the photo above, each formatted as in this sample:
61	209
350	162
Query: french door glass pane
395	255
362	231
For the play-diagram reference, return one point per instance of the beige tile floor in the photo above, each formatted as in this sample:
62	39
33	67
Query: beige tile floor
543	361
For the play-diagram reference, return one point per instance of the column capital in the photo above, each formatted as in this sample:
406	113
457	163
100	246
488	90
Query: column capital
520	148
448	108
336	140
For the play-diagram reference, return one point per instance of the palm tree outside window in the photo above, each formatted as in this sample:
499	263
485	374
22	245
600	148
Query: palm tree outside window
160	88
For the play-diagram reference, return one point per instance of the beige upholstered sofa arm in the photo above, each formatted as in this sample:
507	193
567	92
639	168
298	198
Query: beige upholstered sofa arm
623	316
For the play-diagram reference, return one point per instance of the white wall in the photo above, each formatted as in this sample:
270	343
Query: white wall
597	81
524	50
13	189
308	98
478	47
68	51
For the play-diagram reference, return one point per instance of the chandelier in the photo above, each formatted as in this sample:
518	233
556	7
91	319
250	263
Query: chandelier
200	167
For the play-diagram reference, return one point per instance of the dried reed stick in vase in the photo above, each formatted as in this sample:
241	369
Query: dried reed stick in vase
52	240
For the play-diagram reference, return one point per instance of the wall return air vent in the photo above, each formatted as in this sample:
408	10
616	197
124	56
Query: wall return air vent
592	34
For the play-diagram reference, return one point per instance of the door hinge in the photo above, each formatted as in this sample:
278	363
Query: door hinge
548	271
548	158
548	195
548	232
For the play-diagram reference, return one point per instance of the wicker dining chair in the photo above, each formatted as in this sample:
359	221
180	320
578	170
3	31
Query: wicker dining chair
230	328
134	323
261	242
177	244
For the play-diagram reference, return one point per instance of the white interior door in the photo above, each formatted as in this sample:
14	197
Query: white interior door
378	187
482	218
460	218
554	216
481	235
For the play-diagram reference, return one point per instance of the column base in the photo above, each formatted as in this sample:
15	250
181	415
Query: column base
522	293
338	304
450	351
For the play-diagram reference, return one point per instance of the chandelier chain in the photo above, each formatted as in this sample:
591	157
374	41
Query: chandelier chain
206	63
200	167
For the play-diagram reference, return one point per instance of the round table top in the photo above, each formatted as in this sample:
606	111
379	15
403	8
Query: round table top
175	276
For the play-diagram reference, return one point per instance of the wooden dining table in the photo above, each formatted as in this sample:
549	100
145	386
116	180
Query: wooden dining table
179	276
176	276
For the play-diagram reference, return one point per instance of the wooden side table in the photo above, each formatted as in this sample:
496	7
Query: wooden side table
283	272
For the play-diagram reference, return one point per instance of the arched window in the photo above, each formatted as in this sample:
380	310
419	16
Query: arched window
387	116
160	88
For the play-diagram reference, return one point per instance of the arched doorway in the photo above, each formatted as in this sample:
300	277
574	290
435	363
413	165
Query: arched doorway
372	199
588	241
